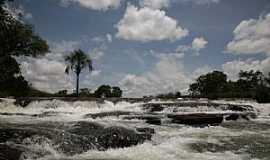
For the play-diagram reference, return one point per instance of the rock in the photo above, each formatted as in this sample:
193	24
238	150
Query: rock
239	108
23	102
118	137
150	119
8	153
146	130
153	120
153	107
232	117
111	137
196	119
107	114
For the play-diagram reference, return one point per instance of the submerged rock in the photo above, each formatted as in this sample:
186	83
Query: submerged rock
108	114
196	119
232	117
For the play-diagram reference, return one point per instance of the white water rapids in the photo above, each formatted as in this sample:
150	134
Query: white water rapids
233	140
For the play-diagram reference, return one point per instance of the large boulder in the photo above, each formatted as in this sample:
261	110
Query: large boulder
110	137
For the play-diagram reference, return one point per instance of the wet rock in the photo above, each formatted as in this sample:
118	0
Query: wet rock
23	102
232	117
118	137
146	130
111	137
239	108
9	153
196	119
150	119
153	107
107	114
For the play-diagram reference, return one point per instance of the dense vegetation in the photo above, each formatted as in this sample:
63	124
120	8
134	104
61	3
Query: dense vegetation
16	39
251	84
104	91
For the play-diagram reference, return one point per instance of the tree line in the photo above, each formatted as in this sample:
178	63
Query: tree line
250	84
103	91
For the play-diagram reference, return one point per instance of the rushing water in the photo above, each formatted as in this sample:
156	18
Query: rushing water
44	130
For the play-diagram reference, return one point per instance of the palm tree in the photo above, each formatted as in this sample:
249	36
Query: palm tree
77	61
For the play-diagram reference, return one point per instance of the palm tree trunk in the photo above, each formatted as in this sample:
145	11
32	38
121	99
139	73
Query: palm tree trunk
77	85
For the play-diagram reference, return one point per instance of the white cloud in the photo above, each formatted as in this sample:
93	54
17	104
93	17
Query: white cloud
94	4
109	37
232	68
251	37
64	46
155	4
96	53
199	43
168	75
200	2
47	75
146	24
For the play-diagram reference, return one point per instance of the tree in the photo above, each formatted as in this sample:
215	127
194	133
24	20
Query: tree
116	92
209	85
62	93
249	82
85	92
77	61
103	91
16	39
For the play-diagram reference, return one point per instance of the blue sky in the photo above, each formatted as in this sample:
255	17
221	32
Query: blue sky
147	46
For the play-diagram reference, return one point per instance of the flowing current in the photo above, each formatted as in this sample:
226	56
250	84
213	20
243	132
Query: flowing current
89	130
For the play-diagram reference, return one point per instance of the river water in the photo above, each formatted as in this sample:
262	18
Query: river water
43	130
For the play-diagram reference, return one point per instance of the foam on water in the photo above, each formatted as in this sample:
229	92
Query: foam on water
170	142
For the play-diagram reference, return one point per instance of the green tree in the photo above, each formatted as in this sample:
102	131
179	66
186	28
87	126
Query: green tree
209	85
77	61
116	92
249	82
104	91
17	39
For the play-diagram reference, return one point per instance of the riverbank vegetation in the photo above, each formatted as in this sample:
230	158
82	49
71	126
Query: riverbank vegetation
250	84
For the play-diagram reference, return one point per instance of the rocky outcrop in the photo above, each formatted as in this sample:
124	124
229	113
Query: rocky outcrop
108	114
196	119
74	139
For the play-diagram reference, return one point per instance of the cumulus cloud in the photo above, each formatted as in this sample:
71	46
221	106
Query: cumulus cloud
155	4
251	37
232	68
147	24
200	2
167	76
199	43
94	4
196	46
47	75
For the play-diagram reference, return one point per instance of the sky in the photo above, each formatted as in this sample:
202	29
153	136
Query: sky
147	46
